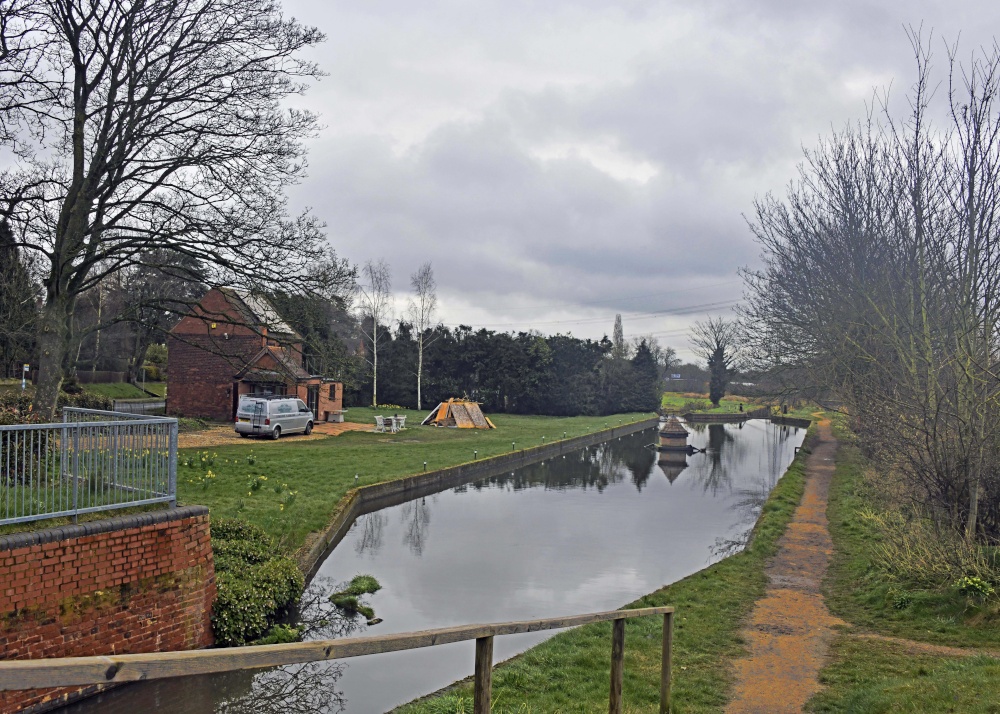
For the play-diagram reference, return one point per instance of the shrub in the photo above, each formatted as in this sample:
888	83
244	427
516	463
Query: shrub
254	586
974	588
913	552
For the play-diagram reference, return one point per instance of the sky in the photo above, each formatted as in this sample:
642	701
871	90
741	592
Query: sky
560	162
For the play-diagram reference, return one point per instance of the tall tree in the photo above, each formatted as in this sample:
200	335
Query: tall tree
717	342
375	291
139	126
18	294
619	348
421	311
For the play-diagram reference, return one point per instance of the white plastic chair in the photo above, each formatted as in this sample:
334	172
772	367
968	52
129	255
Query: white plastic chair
380	424
401	422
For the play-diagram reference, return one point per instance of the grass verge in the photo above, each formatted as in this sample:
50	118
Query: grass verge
877	676
569	673
116	390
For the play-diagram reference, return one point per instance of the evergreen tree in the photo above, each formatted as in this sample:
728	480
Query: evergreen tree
17	306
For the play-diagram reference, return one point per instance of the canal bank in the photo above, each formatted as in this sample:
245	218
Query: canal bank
569	671
589	531
366	499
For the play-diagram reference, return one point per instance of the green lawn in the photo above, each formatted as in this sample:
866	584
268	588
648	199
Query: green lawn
677	402
157	388
292	487
116	390
874	676
882	677
570	672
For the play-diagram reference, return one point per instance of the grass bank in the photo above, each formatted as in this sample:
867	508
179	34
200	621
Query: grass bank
116	390
291	488
569	673
879	676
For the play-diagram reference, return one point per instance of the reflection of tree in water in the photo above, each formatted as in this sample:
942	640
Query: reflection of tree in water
297	689
300	688
372	527
592	467
712	467
640	463
416	516
748	504
750	501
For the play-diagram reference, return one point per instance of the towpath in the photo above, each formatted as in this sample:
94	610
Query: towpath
790	629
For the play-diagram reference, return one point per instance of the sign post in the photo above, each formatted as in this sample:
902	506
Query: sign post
24	376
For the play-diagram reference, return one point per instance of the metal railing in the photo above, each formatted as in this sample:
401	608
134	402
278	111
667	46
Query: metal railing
92	461
82	671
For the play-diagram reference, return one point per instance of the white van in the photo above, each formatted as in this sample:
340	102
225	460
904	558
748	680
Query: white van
273	416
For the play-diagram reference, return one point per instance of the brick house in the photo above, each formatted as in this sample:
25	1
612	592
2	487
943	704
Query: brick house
234	343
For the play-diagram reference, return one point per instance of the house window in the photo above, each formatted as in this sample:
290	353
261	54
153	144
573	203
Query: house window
333	391
266	389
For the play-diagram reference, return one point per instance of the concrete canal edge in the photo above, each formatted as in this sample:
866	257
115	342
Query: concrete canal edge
366	499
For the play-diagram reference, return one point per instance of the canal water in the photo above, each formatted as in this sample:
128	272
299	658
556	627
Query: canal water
591	531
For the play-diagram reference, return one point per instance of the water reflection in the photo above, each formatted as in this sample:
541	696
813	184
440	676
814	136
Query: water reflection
590	531
416	516
372	527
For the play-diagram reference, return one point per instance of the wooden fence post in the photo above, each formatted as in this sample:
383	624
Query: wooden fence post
617	666
484	675
666	662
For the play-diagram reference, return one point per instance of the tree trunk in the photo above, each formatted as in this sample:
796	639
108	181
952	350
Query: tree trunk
970	524
53	345
375	372
420	366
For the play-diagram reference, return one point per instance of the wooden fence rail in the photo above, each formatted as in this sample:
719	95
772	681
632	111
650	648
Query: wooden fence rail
79	671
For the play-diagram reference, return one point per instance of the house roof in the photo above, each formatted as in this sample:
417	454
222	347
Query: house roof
287	365
256	310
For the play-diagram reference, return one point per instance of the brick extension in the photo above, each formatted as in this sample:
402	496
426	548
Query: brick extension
139	583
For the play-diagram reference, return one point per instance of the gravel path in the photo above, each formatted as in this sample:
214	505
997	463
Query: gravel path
226	436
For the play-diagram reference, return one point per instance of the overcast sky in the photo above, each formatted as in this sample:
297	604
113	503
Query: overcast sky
558	162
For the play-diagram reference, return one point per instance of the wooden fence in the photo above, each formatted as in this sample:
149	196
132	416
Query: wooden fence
81	671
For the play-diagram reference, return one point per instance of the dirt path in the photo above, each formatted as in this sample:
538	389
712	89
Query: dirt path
226	436
915	647
790	629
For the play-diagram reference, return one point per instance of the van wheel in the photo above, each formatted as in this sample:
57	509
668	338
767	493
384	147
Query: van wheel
243	434
309	428
276	434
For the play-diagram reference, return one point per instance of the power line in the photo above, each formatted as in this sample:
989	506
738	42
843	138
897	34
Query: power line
678	311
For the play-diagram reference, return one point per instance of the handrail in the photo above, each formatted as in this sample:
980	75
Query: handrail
107	669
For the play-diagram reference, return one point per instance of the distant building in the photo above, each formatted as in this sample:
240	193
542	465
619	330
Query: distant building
234	343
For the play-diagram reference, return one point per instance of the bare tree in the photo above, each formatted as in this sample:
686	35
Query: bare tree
880	284
141	126
375	291
717	342
421	312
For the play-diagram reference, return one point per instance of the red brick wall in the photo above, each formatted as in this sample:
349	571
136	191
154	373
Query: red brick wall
201	369
141	583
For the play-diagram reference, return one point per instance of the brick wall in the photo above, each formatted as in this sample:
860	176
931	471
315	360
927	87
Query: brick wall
140	583
201	369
